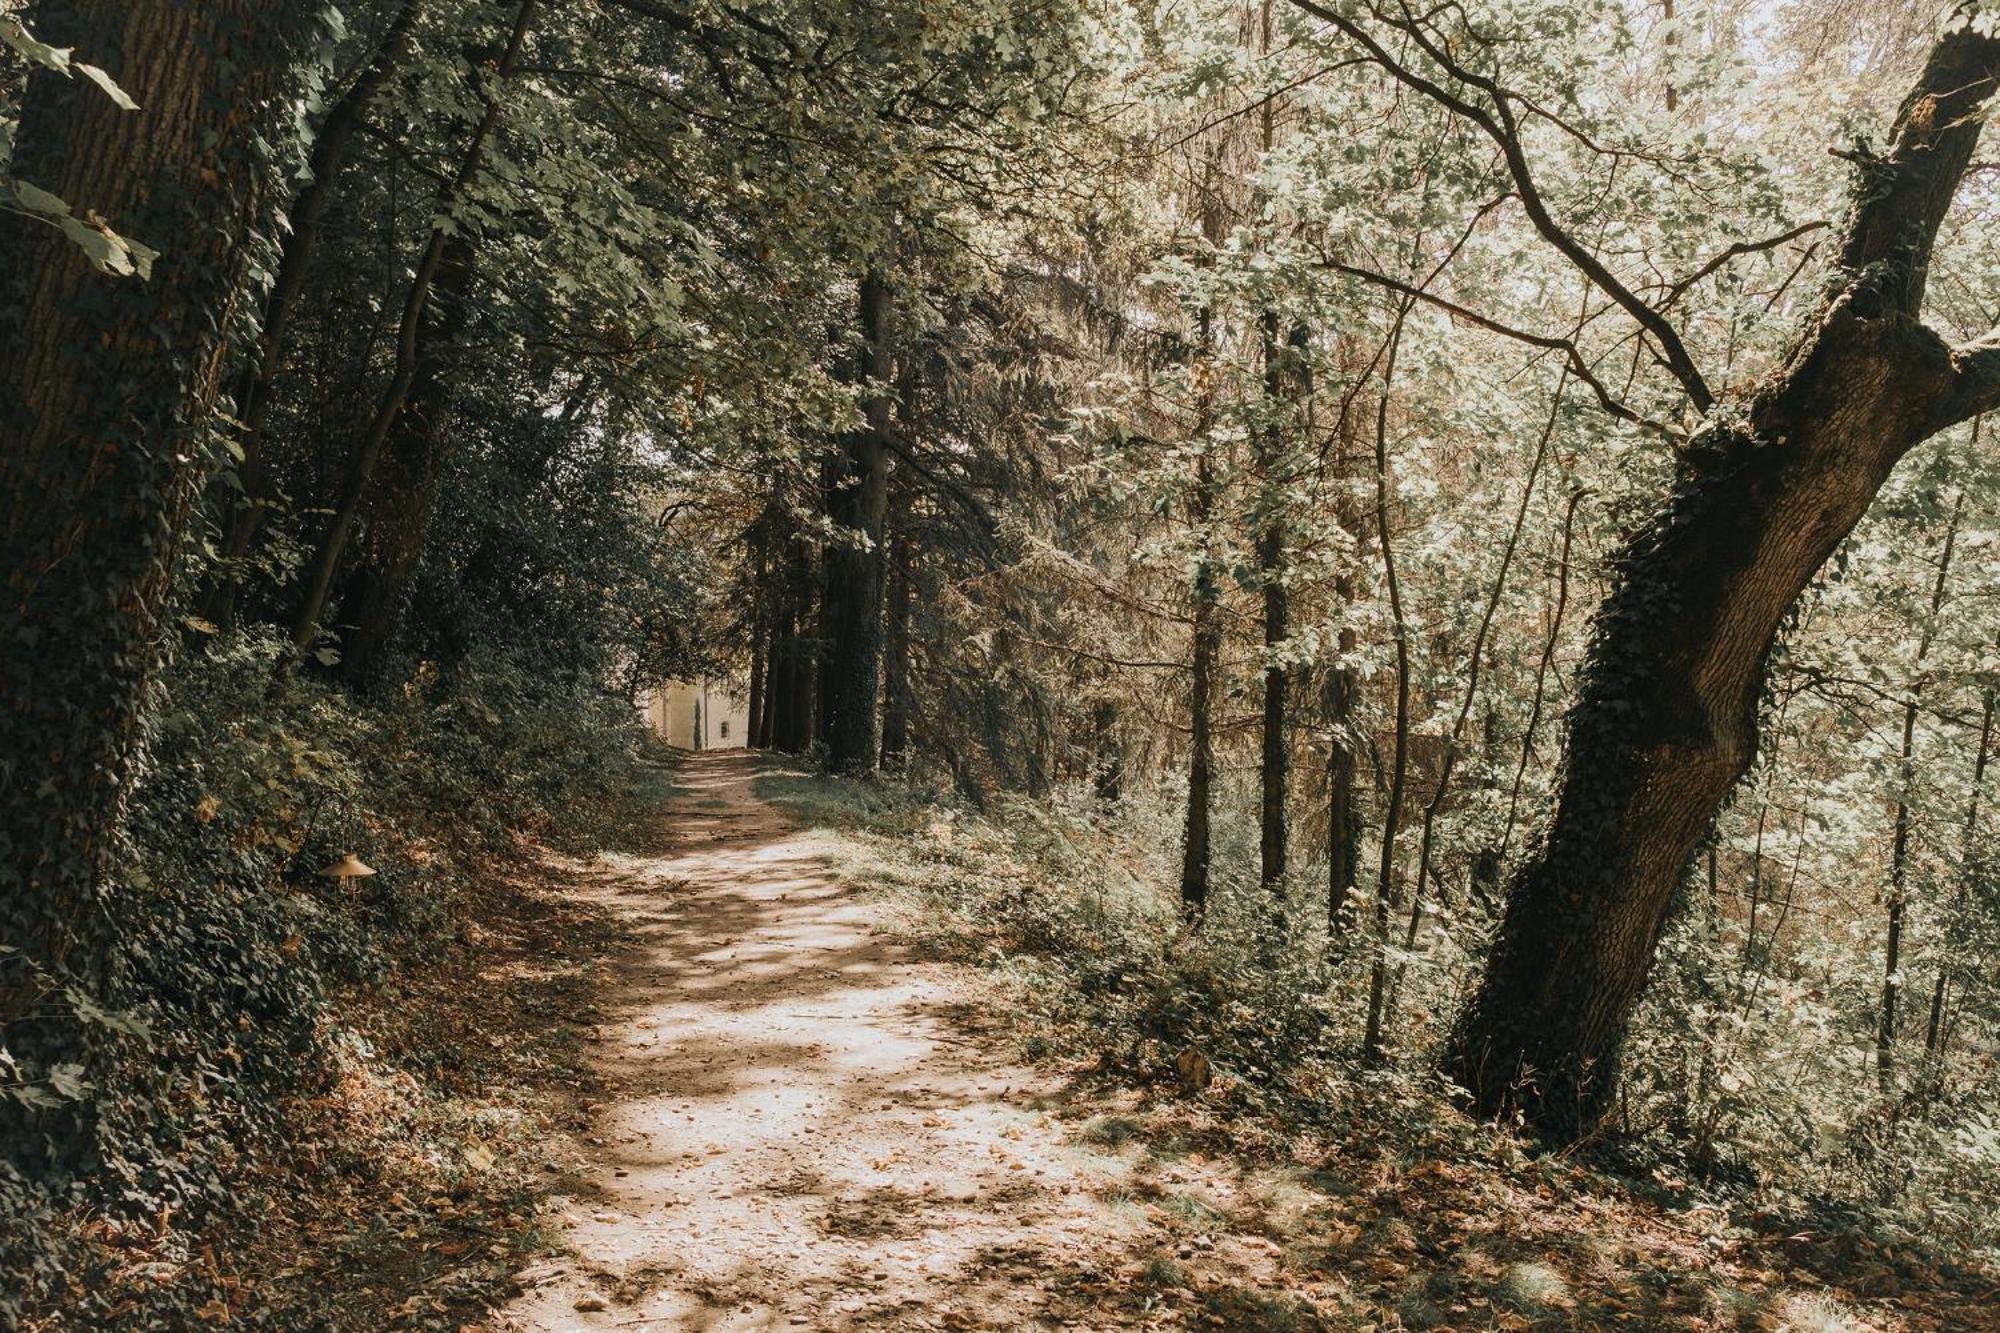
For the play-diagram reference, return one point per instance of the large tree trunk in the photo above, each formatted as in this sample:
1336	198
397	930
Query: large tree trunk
106	386
1665	720
252	392
858	502
396	513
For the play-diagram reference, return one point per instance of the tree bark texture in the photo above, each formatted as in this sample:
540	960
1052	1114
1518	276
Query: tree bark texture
858	502
1665	719
106	390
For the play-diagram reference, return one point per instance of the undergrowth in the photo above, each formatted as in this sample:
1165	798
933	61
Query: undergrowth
1062	903
295	1075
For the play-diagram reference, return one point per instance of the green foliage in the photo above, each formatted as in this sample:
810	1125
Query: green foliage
224	1013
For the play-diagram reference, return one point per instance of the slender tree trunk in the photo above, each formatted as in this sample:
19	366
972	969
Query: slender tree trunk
1107	768
761	732
1665	719
1373	1044
773	729
1343	693
1343	816
397	510
1899	848
295	259
771	726
802	725
368	450
106	391
1276	766
1972	869
760	627
1474	669
1205	648
858	502
1542	668
896	663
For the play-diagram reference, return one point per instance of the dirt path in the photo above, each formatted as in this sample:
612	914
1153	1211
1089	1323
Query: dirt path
804	1133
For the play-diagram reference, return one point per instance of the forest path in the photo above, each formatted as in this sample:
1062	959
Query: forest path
803	1131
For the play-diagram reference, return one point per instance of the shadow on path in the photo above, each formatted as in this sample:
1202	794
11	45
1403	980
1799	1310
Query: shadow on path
801	1134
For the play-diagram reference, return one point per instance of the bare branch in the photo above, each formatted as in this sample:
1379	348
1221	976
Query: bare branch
1499	125
1736	251
1572	354
1976	386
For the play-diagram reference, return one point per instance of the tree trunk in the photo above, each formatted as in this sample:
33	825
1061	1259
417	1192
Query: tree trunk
1474	670
1107	764
396	515
1343	814
389	409
1373	1042
1343	692
778	659
1276	757
106	389
858	502
1205	648
253	384
1971	871
800	725
896	665
1665	718
760	626
1542	667
1899	849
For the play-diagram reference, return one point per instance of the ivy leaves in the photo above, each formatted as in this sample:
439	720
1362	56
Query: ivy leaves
108	252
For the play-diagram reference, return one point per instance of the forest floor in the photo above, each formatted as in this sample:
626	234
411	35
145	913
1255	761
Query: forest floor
805	1121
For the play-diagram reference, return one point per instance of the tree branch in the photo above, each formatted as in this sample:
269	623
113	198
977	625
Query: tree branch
1902	198
1736	251
1975	387
1572	355
1499	125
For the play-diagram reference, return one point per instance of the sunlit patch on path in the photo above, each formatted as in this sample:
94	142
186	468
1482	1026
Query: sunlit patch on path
800	1134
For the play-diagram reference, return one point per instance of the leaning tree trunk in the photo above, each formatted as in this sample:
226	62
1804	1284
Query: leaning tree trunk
106	386
1665	719
396	513
858	501
325	561
252	392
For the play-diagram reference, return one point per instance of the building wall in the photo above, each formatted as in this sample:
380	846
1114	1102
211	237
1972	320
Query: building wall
699	715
